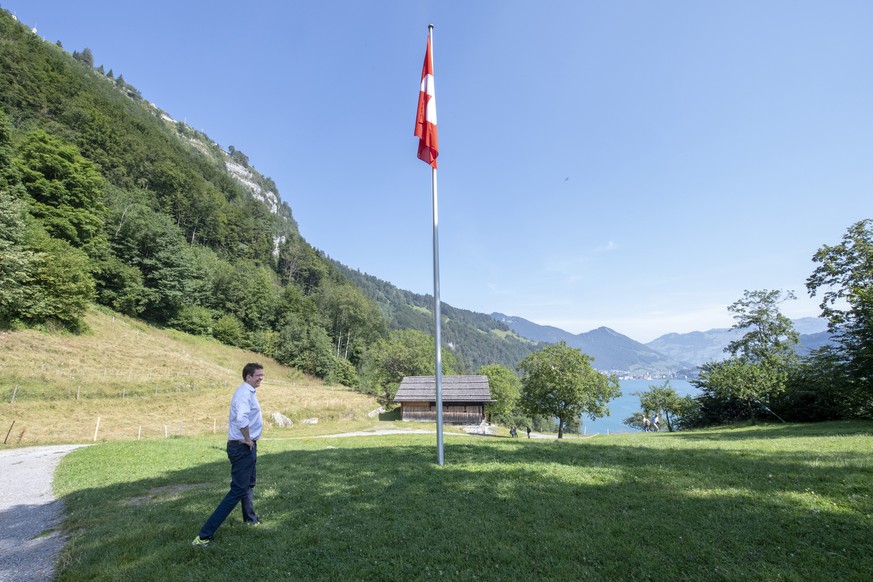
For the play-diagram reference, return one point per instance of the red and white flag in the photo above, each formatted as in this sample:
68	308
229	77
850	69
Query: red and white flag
426	119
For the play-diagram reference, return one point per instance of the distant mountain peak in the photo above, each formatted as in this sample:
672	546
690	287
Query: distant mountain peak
670	354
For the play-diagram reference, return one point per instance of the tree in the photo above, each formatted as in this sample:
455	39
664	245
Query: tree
405	352
152	244
16	260
845	275
665	401
307	347
761	359
86	56
505	391
352	320
66	191
238	157
60	289
819	388
559	381
769	334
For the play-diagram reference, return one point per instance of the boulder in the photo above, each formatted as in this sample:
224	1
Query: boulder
281	420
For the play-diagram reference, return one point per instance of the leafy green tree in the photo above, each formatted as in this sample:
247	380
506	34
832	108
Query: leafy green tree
229	330
663	400
193	319
65	190
844	276
819	389
60	289
307	347
404	352
559	381
16	260
248	291
265	341
86	56
342	373
505	388
353	320
769	334
761	359
152	244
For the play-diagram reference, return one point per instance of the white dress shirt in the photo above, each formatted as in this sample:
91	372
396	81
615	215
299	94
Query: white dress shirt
245	411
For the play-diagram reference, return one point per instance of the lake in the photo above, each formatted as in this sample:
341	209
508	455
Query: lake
627	404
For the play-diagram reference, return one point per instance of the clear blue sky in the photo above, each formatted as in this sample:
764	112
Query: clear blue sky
632	164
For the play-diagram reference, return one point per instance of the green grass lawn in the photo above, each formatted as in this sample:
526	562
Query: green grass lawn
787	502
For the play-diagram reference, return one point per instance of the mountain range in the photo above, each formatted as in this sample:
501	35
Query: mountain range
672	354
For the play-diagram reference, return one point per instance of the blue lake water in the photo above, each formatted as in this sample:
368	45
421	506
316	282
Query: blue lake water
627	404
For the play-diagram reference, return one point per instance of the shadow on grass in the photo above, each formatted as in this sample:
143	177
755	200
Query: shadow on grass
379	508
778	431
390	415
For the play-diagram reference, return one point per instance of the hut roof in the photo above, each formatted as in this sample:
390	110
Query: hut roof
455	389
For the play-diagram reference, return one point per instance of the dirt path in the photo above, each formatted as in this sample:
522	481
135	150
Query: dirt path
29	514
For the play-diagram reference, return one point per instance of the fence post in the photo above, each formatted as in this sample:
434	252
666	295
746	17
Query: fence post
96	428
14	392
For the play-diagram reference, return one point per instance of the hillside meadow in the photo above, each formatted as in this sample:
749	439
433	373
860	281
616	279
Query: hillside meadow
768	502
143	382
786	502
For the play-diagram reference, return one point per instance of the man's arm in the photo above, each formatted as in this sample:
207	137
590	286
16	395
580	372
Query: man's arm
247	439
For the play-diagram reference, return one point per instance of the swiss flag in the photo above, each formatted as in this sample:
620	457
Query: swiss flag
426	119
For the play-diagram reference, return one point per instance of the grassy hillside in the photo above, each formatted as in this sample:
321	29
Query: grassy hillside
144	382
787	502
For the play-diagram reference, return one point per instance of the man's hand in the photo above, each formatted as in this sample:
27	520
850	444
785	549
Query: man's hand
247	439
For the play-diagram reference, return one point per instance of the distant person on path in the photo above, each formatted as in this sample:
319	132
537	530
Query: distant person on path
528	431
656	422
513	433
645	423
244	426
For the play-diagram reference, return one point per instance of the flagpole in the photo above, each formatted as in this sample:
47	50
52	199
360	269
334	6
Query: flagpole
436	298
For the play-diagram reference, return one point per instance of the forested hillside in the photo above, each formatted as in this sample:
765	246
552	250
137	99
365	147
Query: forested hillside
104	198
476	339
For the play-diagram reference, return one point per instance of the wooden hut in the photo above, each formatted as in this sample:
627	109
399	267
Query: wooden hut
464	398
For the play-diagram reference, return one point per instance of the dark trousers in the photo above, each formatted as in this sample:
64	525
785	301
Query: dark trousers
242	481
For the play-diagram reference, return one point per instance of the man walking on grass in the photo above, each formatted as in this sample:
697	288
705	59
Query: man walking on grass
244	425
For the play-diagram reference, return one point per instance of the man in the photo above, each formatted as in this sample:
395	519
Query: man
244	425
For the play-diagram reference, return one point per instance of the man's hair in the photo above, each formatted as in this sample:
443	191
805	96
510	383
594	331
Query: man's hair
250	369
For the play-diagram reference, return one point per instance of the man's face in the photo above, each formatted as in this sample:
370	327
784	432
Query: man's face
254	380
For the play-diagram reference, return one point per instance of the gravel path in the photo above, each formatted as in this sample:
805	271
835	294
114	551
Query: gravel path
29	513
